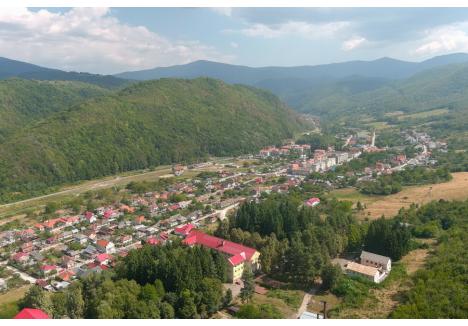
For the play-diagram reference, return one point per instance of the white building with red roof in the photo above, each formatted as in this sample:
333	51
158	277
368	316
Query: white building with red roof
237	255
184	230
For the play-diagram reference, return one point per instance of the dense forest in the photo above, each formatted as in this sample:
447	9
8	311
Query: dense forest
294	243
440	289
142	126
172	281
24	101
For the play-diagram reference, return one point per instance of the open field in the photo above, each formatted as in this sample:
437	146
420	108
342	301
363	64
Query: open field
8	301
376	206
423	114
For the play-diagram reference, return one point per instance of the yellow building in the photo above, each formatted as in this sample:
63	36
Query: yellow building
237	255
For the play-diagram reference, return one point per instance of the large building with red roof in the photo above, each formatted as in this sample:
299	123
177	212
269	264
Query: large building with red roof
29	313
237	255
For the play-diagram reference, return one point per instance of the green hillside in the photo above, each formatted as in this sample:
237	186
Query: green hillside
143	125
436	88
22	101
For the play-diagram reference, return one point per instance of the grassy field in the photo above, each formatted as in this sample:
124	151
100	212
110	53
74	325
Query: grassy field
424	114
286	310
376	206
8	302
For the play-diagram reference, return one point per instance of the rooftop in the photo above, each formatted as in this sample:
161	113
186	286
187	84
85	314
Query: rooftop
238	252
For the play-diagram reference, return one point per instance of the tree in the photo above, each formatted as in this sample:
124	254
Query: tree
227	298
37	298
247	291
211	293
388	238
74	302
186	306
166	310
51	207
330	276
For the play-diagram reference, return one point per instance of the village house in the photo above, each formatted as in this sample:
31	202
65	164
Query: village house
369	272
237	255
105	246
378	261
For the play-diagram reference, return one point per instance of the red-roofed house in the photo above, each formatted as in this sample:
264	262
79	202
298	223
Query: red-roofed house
103	259
20	257
237	255
312	202
47	269
29	313
66	275
184	230
90	217
105	246
139	220
152	241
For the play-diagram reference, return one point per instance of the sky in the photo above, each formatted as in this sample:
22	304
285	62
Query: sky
112	40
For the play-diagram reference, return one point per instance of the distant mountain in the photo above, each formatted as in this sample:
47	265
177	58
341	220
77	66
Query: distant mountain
440	87
12	68
386	68
300	86
144	125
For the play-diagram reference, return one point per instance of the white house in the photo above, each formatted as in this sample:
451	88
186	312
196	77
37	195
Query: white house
368	272
377	261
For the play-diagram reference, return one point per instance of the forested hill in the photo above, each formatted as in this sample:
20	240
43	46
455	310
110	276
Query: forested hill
441	87
144	125
22	101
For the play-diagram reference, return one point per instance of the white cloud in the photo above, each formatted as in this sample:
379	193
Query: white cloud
225	11
353	43
234	45
90	39
448	38
298	28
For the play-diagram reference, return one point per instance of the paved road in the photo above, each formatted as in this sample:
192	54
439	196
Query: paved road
24	276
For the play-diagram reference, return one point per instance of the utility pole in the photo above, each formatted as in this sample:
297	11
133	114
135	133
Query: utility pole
324	309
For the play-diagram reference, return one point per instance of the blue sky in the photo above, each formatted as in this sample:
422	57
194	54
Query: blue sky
112	40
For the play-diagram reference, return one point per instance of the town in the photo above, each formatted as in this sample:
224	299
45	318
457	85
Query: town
67	244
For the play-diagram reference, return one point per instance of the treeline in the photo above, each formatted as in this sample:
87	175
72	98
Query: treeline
440	289
172	281
391	184
320	141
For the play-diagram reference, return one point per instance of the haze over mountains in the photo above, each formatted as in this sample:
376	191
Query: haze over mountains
381	68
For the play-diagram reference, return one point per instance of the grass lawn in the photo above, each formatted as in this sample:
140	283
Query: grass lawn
293	298
8	302
286	310
316	305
